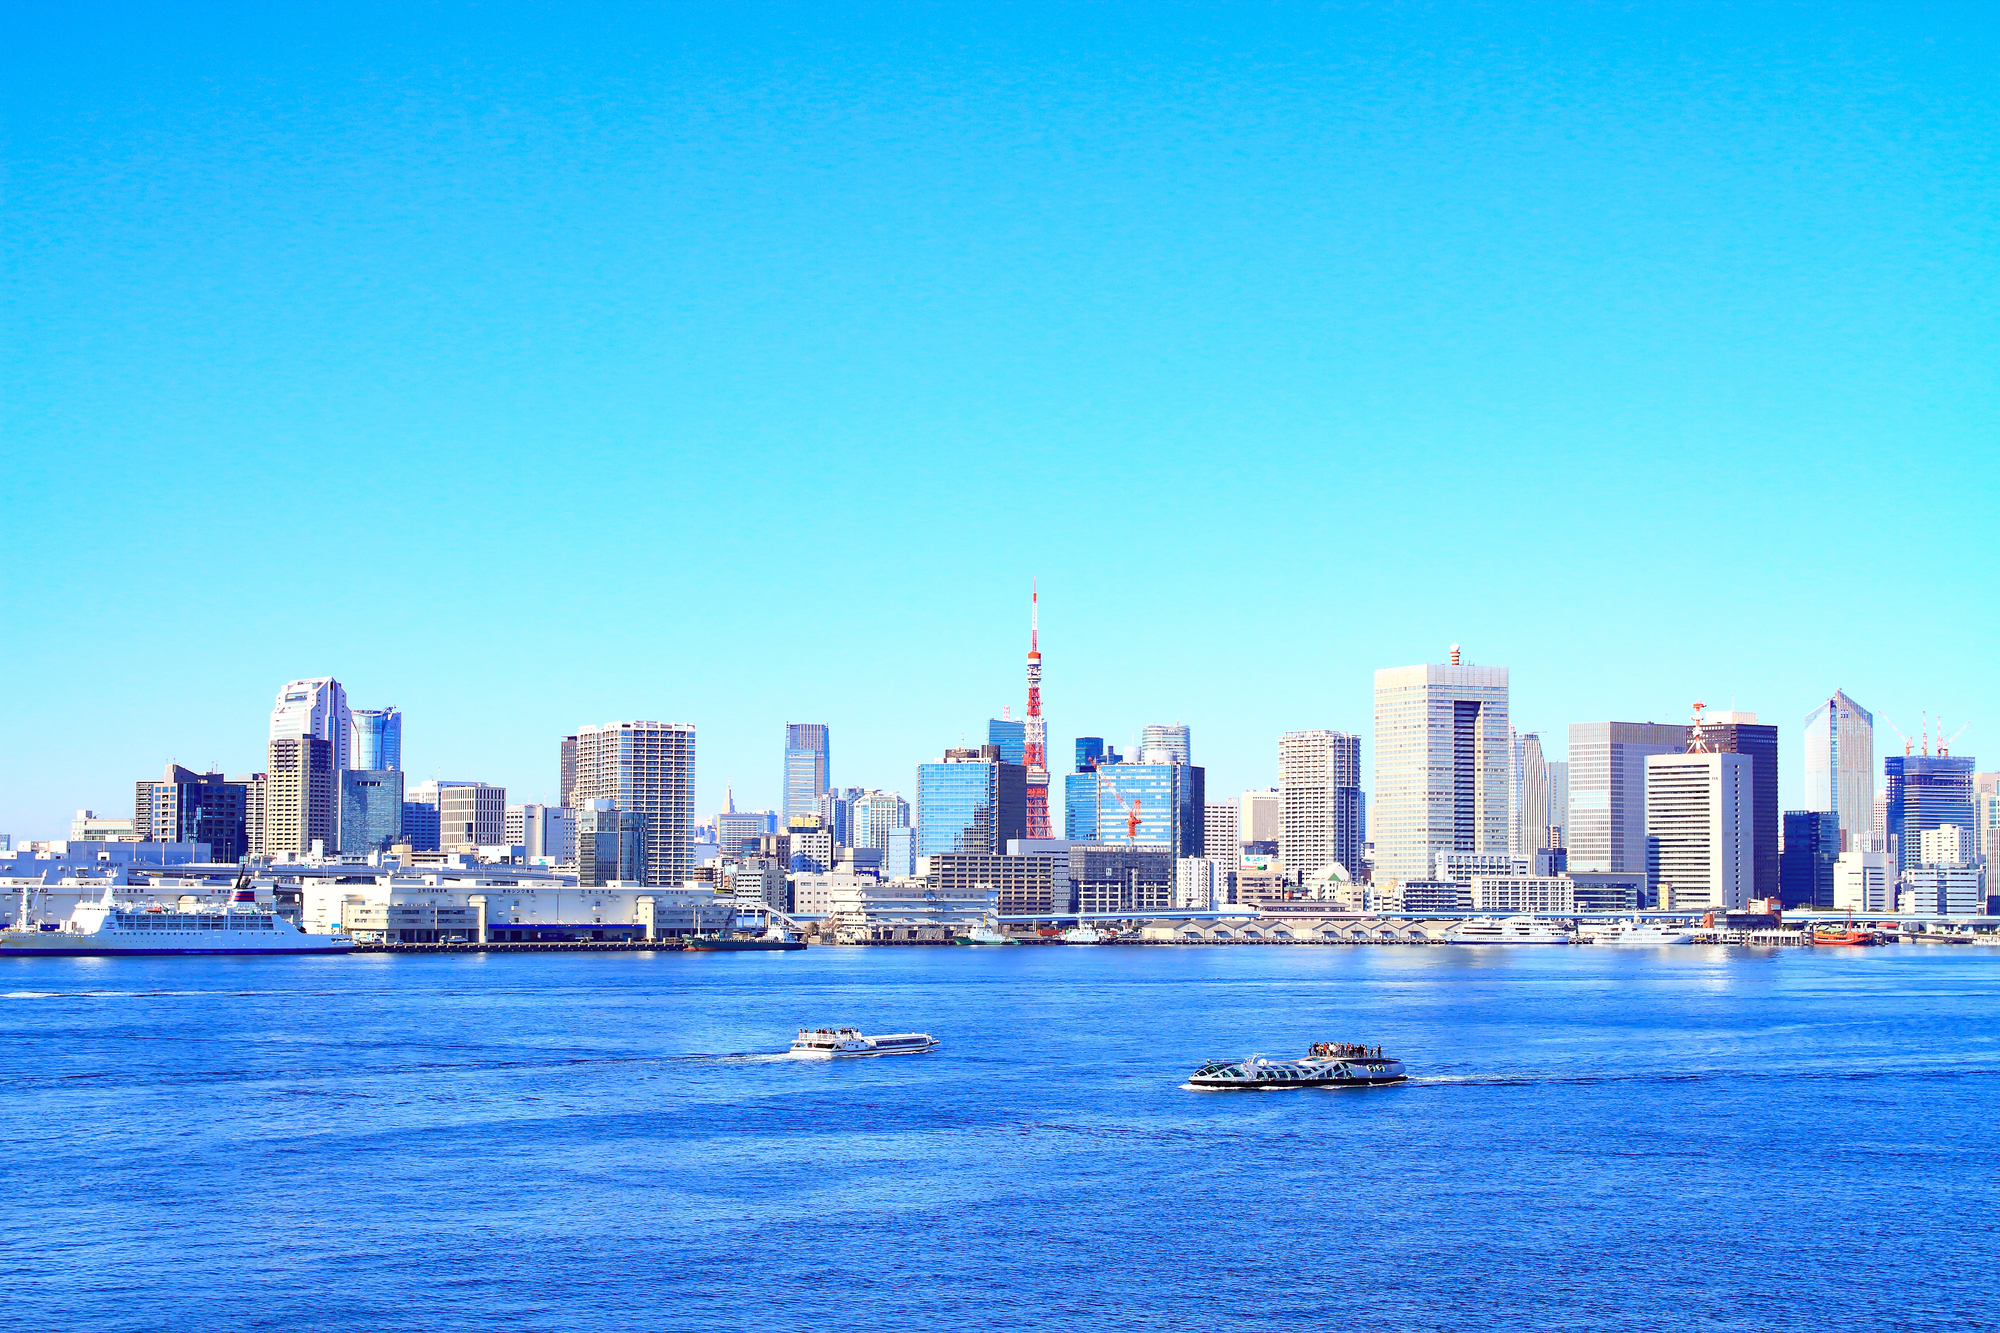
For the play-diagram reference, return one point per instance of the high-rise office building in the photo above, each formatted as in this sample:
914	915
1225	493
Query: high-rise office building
254	788
806	766
1319	789
1221	834
1090	752
1863	882
1805	866
1261	821
566	781
1441	763
1165	738
1607	792
1986	815
546	831
736	829
971	801
875	813
1925	791
378	738
610	843
1698	830
1558	770
1527	795
315	708
1080	805
471	814
185	806
648	769
1152	805
371	810
1010	734
1840	767
1740	733
300	796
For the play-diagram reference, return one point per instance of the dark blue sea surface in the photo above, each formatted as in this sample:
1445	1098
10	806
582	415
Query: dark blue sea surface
1595	1138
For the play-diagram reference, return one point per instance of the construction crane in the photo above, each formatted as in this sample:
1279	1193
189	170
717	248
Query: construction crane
1131	815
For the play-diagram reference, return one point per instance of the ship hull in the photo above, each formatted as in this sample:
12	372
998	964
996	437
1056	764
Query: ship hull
744	946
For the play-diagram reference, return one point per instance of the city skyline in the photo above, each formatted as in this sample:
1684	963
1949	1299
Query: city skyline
756	781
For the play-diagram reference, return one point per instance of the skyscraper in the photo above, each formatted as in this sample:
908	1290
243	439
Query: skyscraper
1080	805
371	809
1261	823
1319	785
566	781
1925	791
1168	738
1840	767
1607	792
1741	733
971	801
806	763
315	708
648	769
1527	795
1698	835
610	844
1805	867
1441	763
378	738
876	813
1089	751
1221	834
300	796
1010	735
185	806
1152	805
1558	770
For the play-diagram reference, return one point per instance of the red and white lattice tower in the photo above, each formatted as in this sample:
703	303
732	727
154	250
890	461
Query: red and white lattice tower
1035	748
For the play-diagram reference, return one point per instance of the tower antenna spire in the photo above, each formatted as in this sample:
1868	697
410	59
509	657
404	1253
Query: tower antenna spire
1034	749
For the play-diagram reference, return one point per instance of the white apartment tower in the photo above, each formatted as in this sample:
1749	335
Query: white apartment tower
1220	840
1698	831
315	708
1840	767
1261	819
648	769
1441	764
1319	785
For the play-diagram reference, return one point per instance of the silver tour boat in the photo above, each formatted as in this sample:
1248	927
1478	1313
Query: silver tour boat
850	1041
1328	1065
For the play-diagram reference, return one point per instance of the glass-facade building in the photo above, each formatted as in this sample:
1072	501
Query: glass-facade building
1840	767
1805	866
1080	807
971	801
1089	753
371	810
1171	739
806	766
610	844
1926	792
1151	805
378	739
420	825
1010	736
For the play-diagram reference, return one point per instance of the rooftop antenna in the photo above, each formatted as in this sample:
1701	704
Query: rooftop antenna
1697	738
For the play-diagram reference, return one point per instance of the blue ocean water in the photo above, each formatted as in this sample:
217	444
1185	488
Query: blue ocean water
1659	1139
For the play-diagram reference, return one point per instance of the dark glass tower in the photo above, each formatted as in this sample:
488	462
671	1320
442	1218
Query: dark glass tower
1926	792
1805	867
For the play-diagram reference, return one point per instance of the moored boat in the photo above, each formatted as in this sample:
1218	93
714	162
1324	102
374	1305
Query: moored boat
106	927
1639	934
741	944
851	1041
983	935
1327	1065
1509	930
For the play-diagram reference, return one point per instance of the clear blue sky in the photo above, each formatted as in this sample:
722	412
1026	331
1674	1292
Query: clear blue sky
534	367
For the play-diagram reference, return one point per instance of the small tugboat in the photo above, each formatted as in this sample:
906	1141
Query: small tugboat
1329	1065
850	1041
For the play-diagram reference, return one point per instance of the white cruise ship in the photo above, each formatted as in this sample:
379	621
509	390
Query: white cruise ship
109	927
850	1041
1510	930
1641	934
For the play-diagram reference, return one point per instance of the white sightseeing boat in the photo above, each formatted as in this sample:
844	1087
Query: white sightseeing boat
851	1041
106	927
1638	934
1328	1065
1509	930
